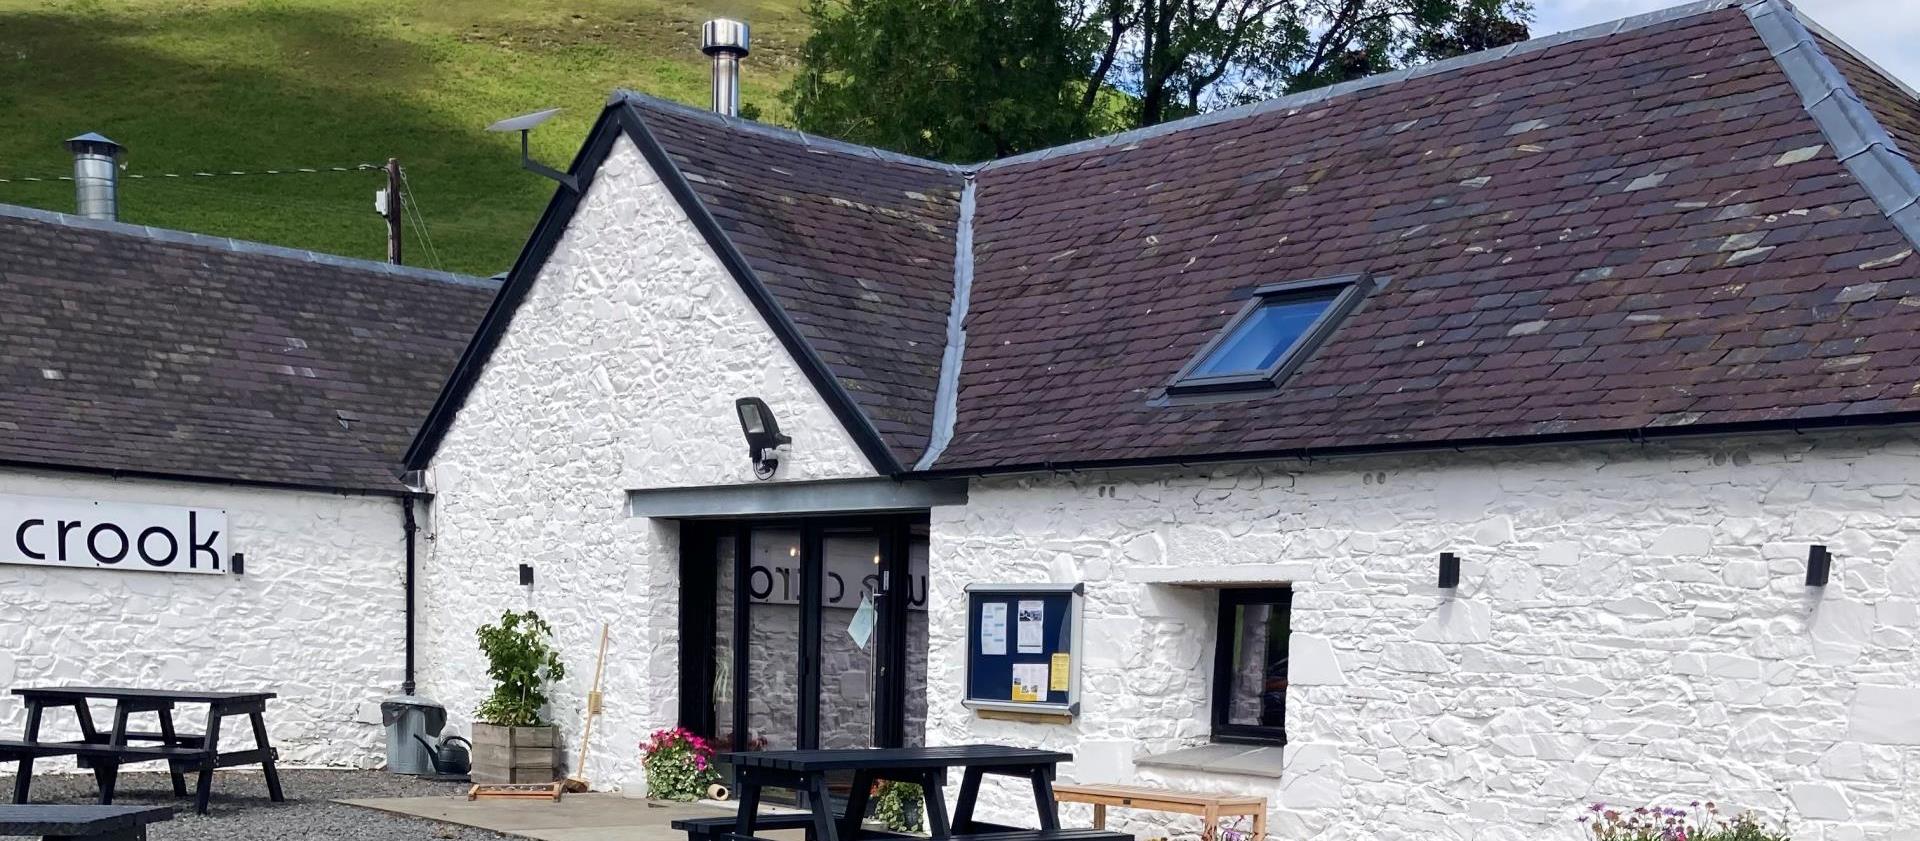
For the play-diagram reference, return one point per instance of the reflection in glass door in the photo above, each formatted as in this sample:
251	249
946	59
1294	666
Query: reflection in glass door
817	630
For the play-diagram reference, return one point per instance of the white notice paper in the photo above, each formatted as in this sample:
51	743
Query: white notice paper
861	628
1033	620
993	629
1029	682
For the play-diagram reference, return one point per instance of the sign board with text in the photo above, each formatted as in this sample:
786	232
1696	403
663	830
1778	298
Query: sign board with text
94	534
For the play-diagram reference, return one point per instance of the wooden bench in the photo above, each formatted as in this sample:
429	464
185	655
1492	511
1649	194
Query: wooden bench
1210	807
92	823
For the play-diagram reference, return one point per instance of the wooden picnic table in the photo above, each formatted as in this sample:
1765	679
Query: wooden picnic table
106	752
82	823
807	770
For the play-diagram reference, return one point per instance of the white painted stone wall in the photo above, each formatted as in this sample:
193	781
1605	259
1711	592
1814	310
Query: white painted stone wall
317	618
619	372
1632	623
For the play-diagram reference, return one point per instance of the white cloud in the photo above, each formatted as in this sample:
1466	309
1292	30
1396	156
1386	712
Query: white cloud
1883	30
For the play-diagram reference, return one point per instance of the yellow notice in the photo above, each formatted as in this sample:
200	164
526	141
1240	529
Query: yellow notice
1062	664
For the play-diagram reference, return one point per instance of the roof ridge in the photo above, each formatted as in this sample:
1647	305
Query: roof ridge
1859	140
1315	95
812	141
239	246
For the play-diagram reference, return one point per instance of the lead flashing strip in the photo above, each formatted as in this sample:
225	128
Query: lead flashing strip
1318	95
240	246
946	397
1861	143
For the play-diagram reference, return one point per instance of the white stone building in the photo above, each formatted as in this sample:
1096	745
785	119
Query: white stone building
151	376
1621	320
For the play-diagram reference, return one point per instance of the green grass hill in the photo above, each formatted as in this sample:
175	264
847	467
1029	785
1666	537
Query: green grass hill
244	85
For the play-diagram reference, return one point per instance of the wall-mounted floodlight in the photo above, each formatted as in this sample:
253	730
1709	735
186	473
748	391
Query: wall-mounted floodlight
524	124
763	435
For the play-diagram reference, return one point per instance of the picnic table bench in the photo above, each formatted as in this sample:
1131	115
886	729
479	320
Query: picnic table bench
806	771
1210	807
105	752
82	823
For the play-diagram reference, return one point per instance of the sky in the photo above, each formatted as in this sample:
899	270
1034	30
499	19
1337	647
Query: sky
1886	31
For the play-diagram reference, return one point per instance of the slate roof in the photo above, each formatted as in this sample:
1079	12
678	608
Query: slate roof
130	350
1697	220
858	249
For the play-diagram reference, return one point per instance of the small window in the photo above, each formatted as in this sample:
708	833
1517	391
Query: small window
1270	336
1250	665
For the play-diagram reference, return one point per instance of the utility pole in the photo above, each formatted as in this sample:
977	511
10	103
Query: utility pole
391	210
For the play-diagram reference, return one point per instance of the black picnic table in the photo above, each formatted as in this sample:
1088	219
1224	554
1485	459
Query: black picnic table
807	770
106	752
91	823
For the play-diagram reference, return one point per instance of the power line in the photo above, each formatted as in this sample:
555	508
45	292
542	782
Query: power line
412	205
303	170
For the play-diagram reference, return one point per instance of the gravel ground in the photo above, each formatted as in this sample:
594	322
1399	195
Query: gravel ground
241	811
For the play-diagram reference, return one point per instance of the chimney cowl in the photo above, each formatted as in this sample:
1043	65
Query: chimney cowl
96	175
724	35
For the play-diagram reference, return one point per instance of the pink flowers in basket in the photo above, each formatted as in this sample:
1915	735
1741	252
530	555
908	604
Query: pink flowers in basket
679	764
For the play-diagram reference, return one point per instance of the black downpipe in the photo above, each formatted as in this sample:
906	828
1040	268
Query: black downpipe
411	528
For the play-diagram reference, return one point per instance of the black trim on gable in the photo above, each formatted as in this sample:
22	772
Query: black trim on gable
621	118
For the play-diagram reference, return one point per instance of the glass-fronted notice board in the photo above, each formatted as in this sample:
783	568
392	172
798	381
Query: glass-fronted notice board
1023	648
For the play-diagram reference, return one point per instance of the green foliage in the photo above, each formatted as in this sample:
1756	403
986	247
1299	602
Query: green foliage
964	80
898	805
1698	822
522	664
955	80
679	765
223	85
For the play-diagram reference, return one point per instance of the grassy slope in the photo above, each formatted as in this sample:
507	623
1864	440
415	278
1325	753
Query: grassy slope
253	84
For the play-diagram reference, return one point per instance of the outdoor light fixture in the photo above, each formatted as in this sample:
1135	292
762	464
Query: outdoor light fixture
238	563
526	575
1819	565
1449	571
763	435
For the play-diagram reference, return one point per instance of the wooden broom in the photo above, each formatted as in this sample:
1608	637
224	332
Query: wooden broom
577	781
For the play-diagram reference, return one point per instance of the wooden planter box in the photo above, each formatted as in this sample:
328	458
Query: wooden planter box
514	754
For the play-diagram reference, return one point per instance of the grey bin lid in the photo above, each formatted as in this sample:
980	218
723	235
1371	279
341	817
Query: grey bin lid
392	708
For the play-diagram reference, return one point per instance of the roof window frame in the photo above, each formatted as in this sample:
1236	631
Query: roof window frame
1352	289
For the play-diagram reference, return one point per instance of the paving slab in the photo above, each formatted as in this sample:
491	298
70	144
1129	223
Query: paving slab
577	817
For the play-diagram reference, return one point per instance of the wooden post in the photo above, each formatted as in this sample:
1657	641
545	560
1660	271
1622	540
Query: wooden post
394	198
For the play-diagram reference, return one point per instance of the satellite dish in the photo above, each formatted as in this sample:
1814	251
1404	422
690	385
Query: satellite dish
524	122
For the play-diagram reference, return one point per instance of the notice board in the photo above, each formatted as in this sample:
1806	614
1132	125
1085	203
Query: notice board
1023	647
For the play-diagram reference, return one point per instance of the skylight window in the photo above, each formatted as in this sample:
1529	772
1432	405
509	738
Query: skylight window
1271	336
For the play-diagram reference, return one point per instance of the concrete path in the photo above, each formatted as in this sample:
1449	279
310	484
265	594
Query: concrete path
578	817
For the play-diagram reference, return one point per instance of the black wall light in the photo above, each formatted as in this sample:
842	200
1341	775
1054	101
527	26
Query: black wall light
526	575
1819	565
238	562
1449	571
763	435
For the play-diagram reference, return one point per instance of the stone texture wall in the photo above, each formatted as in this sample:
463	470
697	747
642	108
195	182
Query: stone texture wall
318	617
619	372
1632	623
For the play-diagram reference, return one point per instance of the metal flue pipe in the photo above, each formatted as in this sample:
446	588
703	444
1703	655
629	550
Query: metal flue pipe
96	175
725	41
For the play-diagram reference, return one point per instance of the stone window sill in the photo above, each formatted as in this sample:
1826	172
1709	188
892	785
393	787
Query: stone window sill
1249	760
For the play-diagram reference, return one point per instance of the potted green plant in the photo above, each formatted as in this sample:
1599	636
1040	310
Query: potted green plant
512	740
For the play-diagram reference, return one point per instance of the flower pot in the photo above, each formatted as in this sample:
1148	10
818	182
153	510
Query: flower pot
514	754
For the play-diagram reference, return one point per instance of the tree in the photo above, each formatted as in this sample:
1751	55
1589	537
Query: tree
970	79
956	80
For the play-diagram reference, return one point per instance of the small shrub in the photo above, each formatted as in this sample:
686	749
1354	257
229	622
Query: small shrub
522	663
898	805
1698	822
679	765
